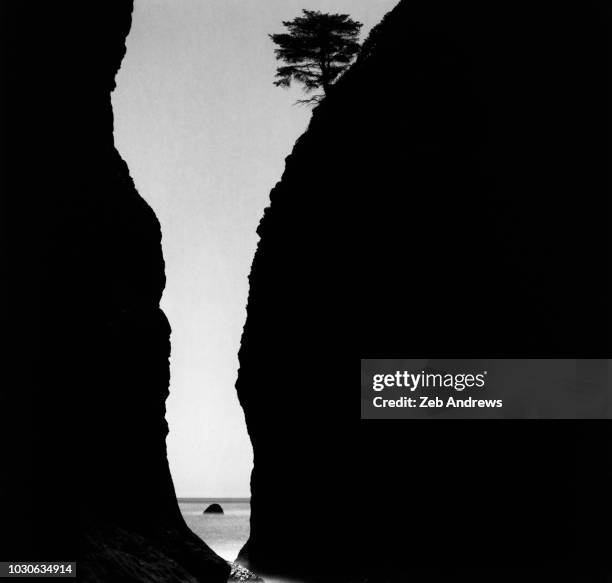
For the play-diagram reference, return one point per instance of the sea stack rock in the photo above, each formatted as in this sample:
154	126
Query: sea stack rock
98	343
214	509
415	216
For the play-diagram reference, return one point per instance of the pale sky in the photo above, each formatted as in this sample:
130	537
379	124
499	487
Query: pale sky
205	134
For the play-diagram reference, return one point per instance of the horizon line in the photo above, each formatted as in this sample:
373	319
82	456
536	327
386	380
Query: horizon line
213	497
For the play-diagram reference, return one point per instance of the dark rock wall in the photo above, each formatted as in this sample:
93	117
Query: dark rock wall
90	345
446	200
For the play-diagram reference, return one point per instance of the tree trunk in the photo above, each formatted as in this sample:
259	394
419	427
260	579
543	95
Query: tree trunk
324	74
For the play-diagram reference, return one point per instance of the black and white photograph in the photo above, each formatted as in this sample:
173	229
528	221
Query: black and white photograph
212	209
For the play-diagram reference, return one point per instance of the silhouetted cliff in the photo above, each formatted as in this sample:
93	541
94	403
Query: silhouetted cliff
89	346
446	200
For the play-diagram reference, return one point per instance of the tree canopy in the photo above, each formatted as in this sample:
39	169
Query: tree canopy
317	48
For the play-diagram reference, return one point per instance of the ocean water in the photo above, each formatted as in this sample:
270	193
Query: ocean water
223	533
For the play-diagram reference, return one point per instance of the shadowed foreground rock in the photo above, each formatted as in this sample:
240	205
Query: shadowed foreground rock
91	348
446	200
